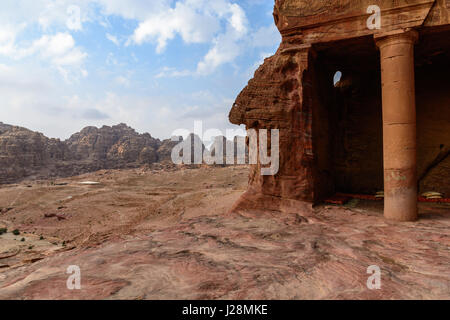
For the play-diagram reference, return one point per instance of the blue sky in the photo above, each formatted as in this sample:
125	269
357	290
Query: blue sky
156	65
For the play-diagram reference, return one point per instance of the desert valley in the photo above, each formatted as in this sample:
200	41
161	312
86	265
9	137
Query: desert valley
160	231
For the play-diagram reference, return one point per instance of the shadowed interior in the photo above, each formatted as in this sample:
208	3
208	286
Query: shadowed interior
348	137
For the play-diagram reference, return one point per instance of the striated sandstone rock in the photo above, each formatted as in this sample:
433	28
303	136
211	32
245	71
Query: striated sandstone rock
115	146
273	100
24	152
28	154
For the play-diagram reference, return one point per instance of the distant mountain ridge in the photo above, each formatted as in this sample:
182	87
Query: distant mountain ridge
28	154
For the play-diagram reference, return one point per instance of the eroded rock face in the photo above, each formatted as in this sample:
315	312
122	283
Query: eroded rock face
165	149
24	152
28	154
273	100
115	146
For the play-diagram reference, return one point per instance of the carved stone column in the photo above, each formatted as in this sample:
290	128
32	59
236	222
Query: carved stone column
399	124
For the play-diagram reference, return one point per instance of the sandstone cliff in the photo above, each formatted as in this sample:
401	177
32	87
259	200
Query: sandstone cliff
24	153
113	146
28	154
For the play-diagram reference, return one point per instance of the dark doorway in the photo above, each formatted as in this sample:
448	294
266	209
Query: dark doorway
348	132
433	112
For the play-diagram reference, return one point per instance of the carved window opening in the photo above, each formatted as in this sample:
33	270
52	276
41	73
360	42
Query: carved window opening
337	78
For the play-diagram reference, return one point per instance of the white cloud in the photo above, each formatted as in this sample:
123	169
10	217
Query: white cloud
113	39
238	19
74	21
52	21
60	51
57	45
8	35
73	58
167	72
226	45
197	21
193	22
225	49
48	14
221	23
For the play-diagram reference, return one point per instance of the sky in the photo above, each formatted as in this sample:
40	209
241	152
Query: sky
156	65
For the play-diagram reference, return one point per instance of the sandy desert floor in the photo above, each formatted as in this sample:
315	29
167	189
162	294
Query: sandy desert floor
162	234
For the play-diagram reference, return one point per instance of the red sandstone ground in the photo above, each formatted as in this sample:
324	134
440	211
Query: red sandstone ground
148	234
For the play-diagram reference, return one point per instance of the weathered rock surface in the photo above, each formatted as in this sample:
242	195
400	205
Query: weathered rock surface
144	234
28	154
165	149
113	146
273	100
24	153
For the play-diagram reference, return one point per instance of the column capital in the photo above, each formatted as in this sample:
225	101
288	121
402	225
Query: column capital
396	36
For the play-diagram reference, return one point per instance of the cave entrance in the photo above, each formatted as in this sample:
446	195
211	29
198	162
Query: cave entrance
348	125
347	115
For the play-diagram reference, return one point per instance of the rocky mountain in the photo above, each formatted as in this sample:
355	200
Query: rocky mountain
113	146
165	149
28	154
25	154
